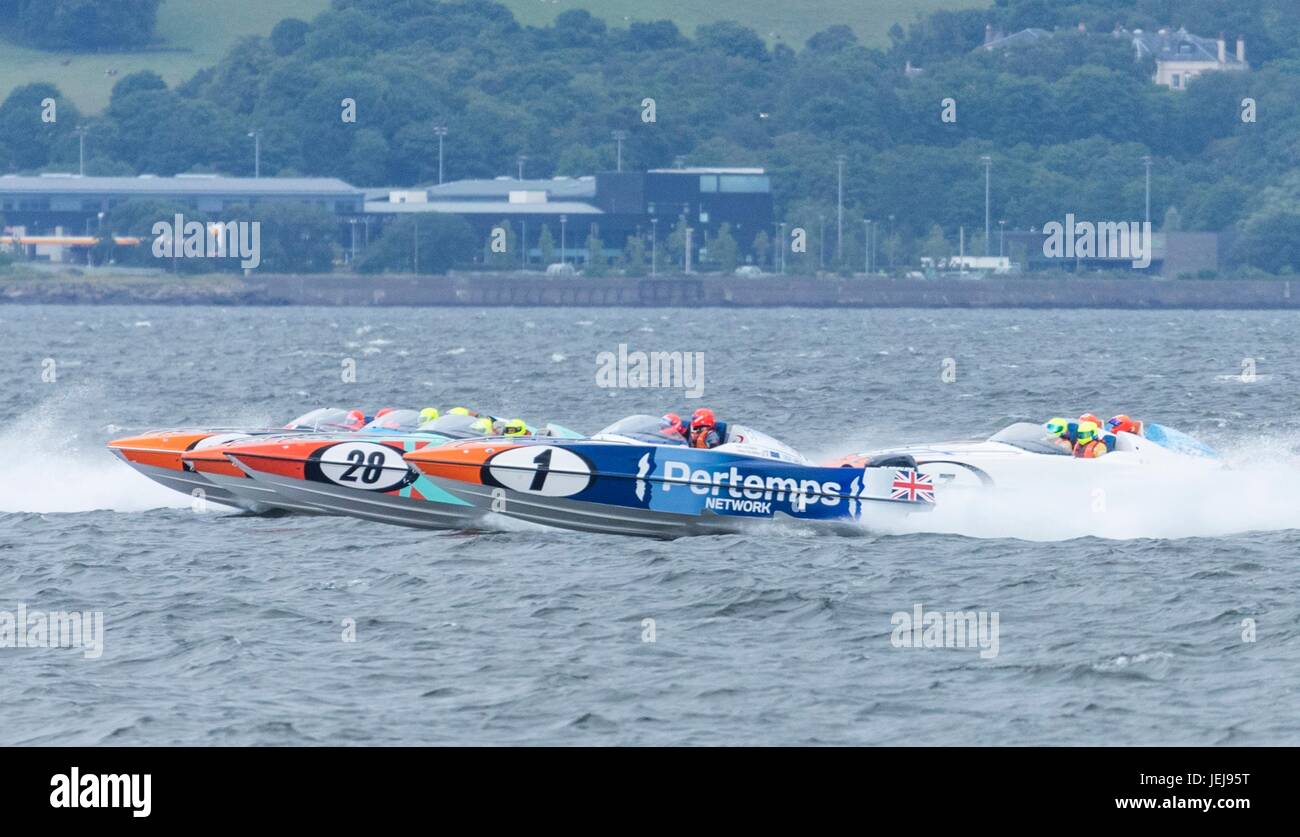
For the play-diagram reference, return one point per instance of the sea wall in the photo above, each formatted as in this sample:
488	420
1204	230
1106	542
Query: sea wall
730	291
490	289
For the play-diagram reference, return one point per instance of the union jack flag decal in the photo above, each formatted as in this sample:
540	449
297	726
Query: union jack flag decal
913	487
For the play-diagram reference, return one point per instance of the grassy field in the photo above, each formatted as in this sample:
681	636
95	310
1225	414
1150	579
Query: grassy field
195	33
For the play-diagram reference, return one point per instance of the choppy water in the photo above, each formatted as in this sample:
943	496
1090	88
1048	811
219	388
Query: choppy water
221	628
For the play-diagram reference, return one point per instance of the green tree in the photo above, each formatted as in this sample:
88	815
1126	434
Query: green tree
596	262
83	25
289	35
762	245
441	241
546	246
936	244
634	256
723	250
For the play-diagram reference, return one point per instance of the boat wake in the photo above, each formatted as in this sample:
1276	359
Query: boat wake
1259	491
46	466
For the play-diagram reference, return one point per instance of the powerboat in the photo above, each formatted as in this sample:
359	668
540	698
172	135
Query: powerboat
160	454
361	474
1024	454
637	477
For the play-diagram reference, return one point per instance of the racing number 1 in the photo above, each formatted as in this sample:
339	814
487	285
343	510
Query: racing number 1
543	463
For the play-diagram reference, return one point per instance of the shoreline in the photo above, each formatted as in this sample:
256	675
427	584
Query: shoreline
681	291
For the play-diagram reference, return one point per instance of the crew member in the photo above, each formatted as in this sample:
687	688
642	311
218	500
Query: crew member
355	420
1123	424
516	427
704	429
673	424
1088	443
1063	433
428	414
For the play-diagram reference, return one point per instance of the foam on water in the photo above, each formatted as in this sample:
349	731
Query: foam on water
1258	491
48	467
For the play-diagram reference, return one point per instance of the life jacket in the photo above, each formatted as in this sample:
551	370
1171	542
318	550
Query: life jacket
701	437
1090	450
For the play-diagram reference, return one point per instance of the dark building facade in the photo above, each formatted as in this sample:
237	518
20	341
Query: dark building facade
613	205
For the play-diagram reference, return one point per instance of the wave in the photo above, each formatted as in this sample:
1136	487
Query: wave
46	467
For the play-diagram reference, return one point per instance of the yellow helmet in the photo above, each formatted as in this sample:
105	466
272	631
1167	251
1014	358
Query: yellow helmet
516	427
1057	426
458	411
1089	431
428	414
483	425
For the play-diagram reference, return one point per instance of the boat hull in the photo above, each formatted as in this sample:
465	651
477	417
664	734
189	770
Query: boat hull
365	477
660	491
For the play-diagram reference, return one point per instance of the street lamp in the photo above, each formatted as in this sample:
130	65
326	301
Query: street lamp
839	219
821	241
619	136
353	223
256	134
1002	234
654	246
891	242
440	131
988	172
564	219
1146	160
520	160
866	245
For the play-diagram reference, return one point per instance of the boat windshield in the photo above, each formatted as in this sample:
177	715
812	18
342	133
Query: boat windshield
396	420
1031	437
652	429
325	418
454	426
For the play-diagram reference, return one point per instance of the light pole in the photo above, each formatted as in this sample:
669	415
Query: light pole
839	212
256	134
780	241
523	235
440	131
619	136
564	219
353	223
81	151
520	160
866	245
1146	160
654	246
988	172
1002	234
891	242
821	241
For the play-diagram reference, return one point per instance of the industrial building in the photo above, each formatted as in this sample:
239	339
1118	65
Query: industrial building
614	205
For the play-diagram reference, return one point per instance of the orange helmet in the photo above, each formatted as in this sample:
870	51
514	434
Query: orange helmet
385	411
355	420
674	423
703	418
1090	417
1122	424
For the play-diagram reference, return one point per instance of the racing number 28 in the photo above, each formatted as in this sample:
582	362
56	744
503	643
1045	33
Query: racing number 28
371	467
